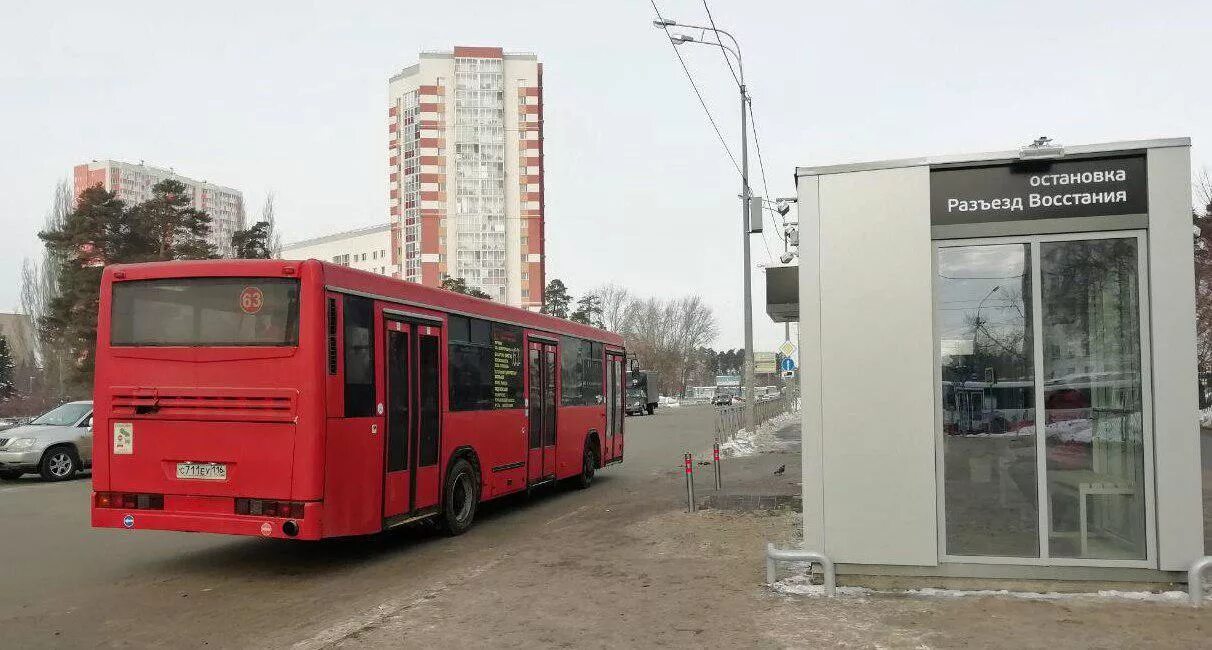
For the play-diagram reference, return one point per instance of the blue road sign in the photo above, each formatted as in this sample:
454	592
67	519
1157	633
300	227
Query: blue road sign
787	364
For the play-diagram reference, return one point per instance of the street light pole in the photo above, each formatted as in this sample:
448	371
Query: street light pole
747	274
748	380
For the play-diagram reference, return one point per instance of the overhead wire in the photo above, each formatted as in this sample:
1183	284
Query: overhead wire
703	102
695	87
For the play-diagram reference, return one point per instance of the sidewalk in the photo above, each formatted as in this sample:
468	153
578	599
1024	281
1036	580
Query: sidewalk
759	472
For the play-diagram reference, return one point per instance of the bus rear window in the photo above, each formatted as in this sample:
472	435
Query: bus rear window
205	312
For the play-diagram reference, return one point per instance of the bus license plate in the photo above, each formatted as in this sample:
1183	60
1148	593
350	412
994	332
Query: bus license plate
202	471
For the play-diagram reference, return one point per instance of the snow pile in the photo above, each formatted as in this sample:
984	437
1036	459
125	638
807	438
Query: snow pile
801	585
762	440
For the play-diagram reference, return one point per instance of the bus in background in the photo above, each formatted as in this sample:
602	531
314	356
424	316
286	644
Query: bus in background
309	400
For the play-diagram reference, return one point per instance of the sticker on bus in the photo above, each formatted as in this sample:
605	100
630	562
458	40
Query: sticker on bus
251	300
124	438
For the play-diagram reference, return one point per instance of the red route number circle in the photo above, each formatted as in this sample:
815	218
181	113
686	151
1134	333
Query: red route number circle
251	300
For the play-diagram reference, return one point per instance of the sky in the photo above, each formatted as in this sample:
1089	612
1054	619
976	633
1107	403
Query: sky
290	98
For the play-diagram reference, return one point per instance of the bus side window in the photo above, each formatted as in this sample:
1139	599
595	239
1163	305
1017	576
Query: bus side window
359	357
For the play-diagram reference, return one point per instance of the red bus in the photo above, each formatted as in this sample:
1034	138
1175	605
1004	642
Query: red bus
308	400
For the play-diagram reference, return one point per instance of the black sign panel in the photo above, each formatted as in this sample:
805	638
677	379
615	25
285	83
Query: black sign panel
506	367
1039	189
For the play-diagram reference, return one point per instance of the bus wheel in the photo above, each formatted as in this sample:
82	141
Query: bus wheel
589	464
460	497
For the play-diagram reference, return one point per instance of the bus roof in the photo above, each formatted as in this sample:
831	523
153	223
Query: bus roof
348	280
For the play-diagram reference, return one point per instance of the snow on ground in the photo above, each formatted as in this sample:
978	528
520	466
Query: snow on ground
762	440
1205	418
801	585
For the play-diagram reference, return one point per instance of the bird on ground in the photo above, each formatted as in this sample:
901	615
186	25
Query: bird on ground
781	469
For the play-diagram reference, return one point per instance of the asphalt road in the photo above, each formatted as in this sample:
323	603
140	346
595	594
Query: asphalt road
67	585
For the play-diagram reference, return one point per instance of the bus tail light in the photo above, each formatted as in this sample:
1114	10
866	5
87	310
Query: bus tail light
129	501
268	508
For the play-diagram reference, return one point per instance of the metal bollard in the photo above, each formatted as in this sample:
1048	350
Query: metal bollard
715	450
1195	579
688	460
774	555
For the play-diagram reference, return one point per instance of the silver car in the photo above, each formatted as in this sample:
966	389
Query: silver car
56	444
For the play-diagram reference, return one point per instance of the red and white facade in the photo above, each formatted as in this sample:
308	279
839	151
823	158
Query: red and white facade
465	172
133	184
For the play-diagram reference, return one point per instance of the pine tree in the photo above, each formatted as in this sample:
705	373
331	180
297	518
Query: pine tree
99	231
459	285
588	311
252	243
556	299
177	230
7	386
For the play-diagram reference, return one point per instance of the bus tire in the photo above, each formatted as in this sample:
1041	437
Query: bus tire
651	409
59	463
460	496
589	466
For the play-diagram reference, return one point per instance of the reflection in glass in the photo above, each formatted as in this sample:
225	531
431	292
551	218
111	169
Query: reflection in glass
1092	398
986	355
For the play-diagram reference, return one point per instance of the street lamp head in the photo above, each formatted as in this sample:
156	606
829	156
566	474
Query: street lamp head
682	38
782	207
663	23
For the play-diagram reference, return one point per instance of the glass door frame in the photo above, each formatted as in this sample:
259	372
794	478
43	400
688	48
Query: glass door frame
1043	500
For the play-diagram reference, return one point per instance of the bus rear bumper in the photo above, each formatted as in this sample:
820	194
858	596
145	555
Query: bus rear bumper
309	526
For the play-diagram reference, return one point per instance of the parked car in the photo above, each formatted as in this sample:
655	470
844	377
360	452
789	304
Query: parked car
724	400
56	444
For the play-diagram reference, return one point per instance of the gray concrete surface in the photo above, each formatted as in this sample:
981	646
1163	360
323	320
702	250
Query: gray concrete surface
68	585
755	482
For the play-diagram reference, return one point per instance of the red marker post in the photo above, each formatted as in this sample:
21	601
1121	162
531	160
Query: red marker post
688	461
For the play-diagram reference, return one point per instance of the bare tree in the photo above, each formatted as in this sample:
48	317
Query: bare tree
614	301
39	286
665	334
274	241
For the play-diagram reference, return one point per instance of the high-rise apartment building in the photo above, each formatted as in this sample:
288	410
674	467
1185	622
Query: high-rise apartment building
465	171
133	184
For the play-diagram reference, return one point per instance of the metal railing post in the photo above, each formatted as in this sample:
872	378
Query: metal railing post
715	450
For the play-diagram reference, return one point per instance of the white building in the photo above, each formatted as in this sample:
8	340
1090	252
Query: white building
465	171
1002	365
133	184
367	249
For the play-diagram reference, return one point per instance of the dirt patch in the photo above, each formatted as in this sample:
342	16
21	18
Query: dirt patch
676	579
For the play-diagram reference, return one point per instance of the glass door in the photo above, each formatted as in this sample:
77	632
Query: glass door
1043	334
1093	413
983	322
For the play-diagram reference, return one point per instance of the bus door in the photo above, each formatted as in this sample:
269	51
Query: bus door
397	485
541	372
427	416
612	447
413	420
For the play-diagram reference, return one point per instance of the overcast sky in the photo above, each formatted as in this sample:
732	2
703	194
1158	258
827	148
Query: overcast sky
290	97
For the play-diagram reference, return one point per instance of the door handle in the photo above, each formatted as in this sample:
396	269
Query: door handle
374	429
